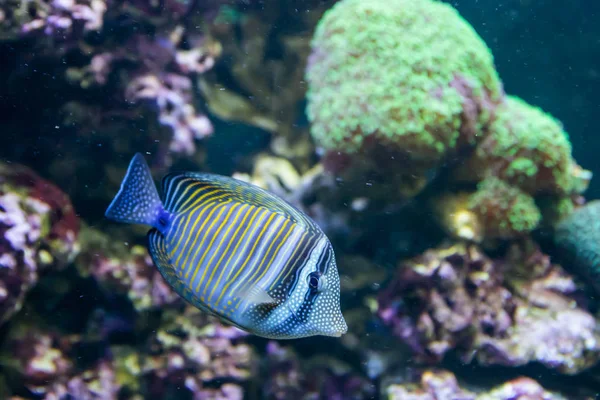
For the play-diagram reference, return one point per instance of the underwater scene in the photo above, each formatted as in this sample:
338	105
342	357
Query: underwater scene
299	199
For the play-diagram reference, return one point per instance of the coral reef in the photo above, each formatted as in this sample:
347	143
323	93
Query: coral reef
124	271
44	360
525	156
38	232
161	77
509	311
410	76
406	125
503	211
206	358
289	377
576	237
187	352
526	148
440	384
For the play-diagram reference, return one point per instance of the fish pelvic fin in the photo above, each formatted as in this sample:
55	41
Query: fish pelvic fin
137	201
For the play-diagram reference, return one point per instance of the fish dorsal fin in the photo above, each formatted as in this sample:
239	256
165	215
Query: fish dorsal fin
183	191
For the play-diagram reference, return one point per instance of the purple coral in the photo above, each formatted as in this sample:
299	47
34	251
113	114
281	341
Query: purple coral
162	79
290	377
46	363
66	18
442	385
128	272
508	311
38	230
190	349
172	96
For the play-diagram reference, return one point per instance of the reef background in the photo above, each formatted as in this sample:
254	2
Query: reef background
220	86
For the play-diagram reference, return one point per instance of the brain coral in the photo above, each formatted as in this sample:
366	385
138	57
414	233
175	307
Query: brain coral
527	148
410	75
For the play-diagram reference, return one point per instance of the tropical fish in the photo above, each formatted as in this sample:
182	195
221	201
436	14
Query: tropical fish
236	251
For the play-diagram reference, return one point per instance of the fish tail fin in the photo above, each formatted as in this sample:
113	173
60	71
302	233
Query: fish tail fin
137	201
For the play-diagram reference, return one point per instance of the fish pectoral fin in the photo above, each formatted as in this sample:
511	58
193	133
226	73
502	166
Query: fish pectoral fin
256	295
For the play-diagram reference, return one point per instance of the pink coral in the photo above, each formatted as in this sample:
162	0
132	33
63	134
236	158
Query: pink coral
64	18
38	230
128	272
172	95
192	350
507	311
441	385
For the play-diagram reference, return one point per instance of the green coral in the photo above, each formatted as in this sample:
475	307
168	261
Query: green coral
528	148
402	72
504	211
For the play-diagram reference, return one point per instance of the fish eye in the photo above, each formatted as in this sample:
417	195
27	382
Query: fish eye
314	281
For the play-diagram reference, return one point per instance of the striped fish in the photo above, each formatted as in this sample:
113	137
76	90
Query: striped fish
236	251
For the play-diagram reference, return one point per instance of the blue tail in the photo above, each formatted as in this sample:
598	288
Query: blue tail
137	201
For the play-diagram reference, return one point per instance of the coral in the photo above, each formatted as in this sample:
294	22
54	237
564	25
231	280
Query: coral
290	377
60	24
577	237
503	211
38	231
528	149
508	311
454	214
172	96
48	365
124	271
520	388
191	351
433	385
411	76
40	357
441	384
97	382
408	116
279	176
285	377
162	79
65	18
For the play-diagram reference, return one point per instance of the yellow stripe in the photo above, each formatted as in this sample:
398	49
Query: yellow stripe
183	195
205	197
277	250
249	256
226	251
178	243
198	232
187	222
250	281
256	211
210	245
201	245
180	196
